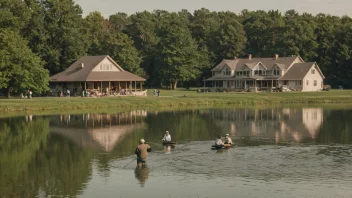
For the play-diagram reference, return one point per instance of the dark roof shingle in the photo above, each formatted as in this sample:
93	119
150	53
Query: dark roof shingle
298	71
77	73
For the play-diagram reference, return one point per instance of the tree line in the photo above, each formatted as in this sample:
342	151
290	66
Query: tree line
39	38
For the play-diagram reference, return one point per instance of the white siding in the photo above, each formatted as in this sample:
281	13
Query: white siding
105	65
311	78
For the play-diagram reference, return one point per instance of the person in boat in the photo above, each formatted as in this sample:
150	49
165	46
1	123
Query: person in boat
142	152
218	142
228	140
167	137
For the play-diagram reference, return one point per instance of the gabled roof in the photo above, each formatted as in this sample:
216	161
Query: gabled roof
281	66
298	71
230	63
81	71
269	63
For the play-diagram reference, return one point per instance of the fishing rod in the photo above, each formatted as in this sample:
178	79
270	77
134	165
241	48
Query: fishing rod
129	163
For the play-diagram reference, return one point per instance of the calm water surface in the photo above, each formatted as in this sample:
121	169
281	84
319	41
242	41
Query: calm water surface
280	152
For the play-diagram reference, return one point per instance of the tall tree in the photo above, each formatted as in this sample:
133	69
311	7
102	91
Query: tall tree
179	59
97	27
20	68
120	47
68	35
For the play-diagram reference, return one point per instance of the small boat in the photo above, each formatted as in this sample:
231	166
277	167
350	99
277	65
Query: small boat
169	143
213	147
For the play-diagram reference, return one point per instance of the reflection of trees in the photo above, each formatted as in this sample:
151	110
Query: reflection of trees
19	143
62	167
183	125
336	128
32	161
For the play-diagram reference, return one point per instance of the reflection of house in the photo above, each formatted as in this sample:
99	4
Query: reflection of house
98	130
108	137
267	73
275	124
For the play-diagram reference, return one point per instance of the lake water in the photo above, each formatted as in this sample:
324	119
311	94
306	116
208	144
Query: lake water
280	152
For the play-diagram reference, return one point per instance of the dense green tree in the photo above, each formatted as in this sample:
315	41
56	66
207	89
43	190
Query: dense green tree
68	35
20	68
120	47
97	27
179	58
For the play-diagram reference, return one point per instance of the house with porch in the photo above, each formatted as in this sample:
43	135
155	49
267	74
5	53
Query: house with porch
266	74
98	75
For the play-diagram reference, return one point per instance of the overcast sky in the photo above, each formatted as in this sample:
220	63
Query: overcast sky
108	7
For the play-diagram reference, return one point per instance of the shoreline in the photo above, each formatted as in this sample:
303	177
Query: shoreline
174	100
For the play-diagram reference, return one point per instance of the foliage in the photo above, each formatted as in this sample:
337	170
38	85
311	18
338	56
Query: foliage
20	68
148	43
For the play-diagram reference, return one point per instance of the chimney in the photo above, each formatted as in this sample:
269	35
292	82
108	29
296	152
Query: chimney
249	56
276	56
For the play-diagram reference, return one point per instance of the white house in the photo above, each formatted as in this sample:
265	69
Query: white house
264	74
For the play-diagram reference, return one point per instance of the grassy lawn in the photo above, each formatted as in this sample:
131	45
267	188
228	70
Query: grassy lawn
175	98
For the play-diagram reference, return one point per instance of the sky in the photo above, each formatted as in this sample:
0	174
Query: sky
109	7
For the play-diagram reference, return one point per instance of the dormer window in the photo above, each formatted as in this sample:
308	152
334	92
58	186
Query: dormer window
227	72
276	71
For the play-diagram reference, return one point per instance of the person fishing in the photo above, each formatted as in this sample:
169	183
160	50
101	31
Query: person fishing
142	152
167	137
218	142
228	140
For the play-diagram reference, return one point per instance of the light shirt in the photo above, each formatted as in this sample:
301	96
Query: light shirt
218	142
167	138
228	140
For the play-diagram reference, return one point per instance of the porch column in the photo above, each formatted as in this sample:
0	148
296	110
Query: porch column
109	89
130	85
141	86
119	87
85	85
135	86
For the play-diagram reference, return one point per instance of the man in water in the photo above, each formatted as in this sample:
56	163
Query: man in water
218	142
228	141
167	137
142	152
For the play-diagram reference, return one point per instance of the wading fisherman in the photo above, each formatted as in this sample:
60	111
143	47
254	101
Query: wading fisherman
142	152
218	142
167	137
228	141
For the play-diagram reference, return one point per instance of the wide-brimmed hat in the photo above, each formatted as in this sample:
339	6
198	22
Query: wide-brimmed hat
227	135
142	141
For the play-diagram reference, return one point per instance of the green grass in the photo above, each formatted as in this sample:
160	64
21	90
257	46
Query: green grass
175	99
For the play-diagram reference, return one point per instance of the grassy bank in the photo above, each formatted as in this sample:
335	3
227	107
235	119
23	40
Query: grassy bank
178	98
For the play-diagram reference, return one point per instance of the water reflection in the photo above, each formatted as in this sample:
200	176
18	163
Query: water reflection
141	173
167	149
53	155
278	125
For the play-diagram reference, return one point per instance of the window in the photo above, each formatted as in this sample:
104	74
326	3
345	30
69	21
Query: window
315	83
276	72
298	83
105	67
307	82
227	72
313	71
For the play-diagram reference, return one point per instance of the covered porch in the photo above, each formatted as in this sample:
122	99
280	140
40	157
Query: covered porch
97	88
